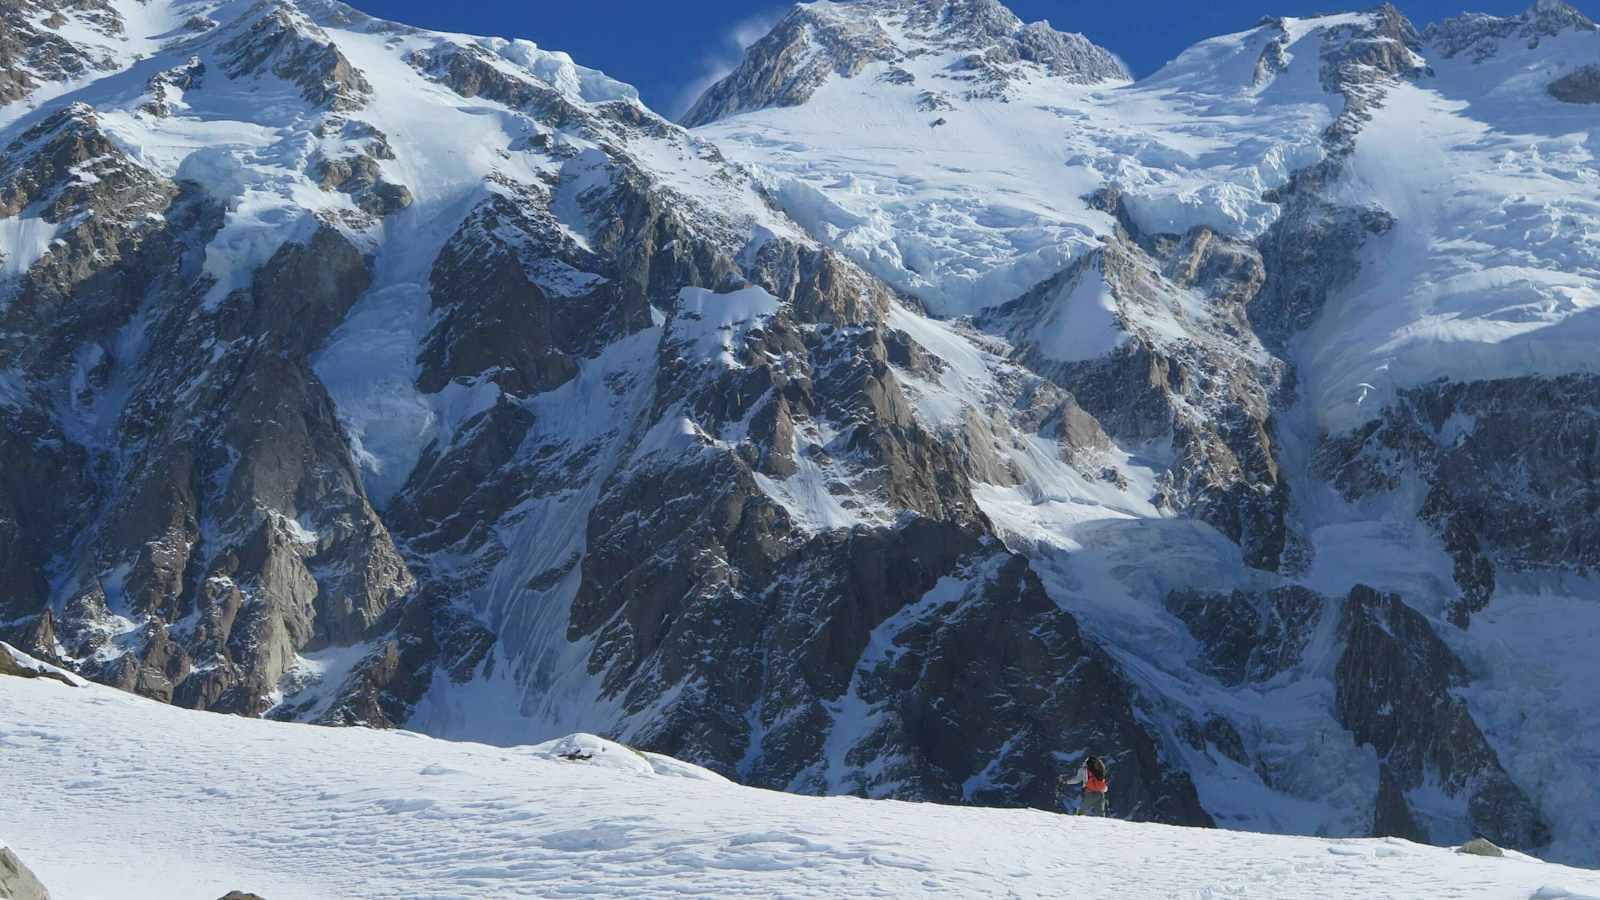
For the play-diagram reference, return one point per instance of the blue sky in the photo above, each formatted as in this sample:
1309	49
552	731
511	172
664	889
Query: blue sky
670	49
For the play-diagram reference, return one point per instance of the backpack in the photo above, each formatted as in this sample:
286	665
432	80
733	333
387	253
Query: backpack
1096	767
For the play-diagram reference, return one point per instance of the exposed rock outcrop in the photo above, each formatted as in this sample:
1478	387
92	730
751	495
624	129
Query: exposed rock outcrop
667	462
1481	36
279	38
1211	392
359	172
17	666
166	88
270	543
1310	252
1496	498
1394	685
17	882
1581	85
1480	847
815	42
223	487
1249	637
33	51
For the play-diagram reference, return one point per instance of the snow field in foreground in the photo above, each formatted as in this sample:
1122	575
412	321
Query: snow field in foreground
110	795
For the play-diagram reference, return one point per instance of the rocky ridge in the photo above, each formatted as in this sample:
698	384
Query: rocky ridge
987	45
33	52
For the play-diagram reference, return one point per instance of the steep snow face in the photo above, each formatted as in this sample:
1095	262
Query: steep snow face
1522	664
965	194
1491	269
304	813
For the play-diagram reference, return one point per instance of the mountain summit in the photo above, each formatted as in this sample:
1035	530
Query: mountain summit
977	44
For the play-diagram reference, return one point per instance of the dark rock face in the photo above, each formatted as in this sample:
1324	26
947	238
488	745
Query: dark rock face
810	633
497	317
12	667
1311	254
1274	59
519	298
471	72
210	481
1212	394
696	492
1249	637
79	290
16	881
163	85
110	214
1394	686
1498	499
1310	251
39	482
33	52
1581	85
295	556
1358	58
281	40
360	173
942	701
781	70
1391	815
729	632
823	288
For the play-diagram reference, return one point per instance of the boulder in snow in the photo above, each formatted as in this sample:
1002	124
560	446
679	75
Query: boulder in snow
20	665
1579	86
1480	847
16	882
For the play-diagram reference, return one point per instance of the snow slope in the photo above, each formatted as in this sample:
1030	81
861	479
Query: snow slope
1491	269
972	200
1489	273
112	795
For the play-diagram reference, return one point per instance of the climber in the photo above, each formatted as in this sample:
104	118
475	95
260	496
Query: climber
1092	775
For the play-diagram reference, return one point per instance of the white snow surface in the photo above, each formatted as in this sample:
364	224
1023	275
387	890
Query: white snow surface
710	327
113	795
977	209
1083	324
1493	268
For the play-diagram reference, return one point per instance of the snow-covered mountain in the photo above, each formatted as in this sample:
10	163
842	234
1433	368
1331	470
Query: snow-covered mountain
291	812
941	406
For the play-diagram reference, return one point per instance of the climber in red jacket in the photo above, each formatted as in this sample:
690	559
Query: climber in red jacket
1092	775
